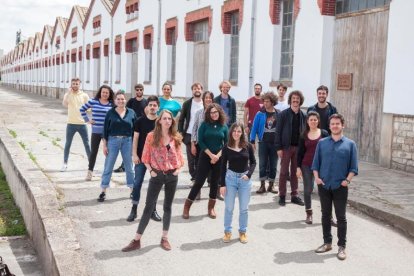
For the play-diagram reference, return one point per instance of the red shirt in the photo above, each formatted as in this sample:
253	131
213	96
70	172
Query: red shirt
310	146
254	105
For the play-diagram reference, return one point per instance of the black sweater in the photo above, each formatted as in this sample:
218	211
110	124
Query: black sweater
238	162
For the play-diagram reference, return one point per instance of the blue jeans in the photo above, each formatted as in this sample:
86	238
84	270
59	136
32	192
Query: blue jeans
236	185
267	161
140	170
115	145
71	129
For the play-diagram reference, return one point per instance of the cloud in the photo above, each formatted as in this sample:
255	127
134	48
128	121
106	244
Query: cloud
30	16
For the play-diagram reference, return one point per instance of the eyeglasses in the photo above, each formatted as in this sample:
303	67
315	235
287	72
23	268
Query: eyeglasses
214	112
139	89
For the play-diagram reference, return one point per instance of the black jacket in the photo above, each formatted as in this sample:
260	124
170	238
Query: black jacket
185	114
232	108
302	148
331	109
284	128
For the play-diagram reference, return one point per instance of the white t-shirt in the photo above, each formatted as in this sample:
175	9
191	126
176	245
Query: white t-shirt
282	105
195	106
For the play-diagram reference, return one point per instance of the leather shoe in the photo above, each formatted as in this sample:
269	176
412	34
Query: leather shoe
282	201
341	253
334	223
165	244
119	170
133	245
324	248
155	216
297	200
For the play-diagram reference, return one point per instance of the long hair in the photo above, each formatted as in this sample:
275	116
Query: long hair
205	94
111	93
175	135
243	142
222	115
307	129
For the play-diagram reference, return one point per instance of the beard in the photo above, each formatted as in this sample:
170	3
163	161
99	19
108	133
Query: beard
257	93
197	94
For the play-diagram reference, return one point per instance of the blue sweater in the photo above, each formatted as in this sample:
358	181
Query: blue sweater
98	114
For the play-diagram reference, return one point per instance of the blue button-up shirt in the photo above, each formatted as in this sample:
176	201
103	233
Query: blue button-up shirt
334	160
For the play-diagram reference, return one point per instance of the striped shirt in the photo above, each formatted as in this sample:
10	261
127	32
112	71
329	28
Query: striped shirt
98	114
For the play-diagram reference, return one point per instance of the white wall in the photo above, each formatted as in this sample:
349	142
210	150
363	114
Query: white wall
399	72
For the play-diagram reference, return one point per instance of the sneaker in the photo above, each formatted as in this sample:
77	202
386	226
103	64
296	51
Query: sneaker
64	167
227	237
341	253
297	200
88	176
119	170
324	248
243	237
282	201
102	197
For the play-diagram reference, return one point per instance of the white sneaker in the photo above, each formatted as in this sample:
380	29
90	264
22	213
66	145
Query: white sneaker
64	167
88	176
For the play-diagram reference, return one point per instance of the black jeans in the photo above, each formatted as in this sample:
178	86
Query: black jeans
307	175
204	168
95	142
339	198
154	188
191	159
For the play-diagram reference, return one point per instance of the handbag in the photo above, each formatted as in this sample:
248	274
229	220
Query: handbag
4	270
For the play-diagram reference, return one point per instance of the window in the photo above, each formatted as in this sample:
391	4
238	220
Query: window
106	61
288	33
96	24
88	63
234	48
148	57
131	11
74	34
118	61
347	6
171	34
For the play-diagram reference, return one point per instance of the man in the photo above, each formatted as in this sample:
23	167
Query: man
290	124
252	106
186	124
334	165
323	107
138	104
73	101
144	125
226	102
264	126
281	101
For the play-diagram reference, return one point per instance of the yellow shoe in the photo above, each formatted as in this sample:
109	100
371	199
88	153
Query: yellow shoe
243	237
227	237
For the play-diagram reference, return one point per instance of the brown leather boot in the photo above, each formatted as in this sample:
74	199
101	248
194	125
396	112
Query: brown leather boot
262	188
187	206
211	212
309	219
272	188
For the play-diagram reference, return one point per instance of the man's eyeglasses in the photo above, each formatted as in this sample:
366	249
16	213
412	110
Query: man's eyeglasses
139	89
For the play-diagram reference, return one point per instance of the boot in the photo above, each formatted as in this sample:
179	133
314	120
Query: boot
187	206
211	212
309	216
272	188
219	196
262	188
133	215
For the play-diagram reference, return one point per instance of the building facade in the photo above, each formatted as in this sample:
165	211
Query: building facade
357	48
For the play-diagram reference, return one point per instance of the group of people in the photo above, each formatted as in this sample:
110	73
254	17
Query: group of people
149	134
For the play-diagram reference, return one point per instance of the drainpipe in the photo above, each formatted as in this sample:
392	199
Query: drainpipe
111	56
252	46
159	47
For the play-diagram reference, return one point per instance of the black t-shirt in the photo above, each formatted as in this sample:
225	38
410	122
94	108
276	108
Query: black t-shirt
324	115
269	134
143	126
137	106
294	141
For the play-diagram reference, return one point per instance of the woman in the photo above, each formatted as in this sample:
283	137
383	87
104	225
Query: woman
264	127
99	105
212	136
207	99
235	179
167	102
163	158
117	137
306	150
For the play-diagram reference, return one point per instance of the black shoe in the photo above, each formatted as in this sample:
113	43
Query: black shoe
155	216
119	170
282	201
334	223
131	195
133	215
297	200
102	197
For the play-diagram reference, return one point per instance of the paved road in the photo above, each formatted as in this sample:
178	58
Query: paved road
279	240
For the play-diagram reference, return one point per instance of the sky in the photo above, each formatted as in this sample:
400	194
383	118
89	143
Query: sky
30	16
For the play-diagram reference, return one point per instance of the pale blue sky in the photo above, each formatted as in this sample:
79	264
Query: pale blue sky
30	16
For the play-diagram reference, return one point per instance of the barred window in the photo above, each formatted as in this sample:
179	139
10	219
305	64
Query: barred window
347	6
234	50
288	34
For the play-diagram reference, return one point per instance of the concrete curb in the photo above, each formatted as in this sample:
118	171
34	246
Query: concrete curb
403	224
51	231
